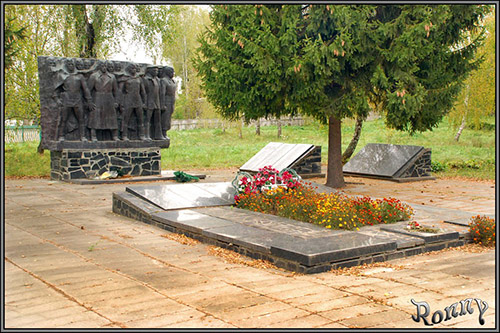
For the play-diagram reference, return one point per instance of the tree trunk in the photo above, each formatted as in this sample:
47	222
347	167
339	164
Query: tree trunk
354	141
84	31
279	128
241	128
334	175
257	127
466	105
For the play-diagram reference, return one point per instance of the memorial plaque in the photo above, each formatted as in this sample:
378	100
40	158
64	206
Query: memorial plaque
384	160
182	196
278	155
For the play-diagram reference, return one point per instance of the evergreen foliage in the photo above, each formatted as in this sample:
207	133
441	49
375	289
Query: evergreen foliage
331	61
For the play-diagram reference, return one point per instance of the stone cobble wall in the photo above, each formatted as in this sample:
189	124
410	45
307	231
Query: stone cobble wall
421	167
311	164
78	164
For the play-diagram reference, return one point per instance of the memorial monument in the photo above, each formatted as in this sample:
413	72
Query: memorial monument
103	115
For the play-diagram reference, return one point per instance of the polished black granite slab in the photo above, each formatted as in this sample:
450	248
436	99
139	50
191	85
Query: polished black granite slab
181	196
190	220
269	222
339	247
403	241
381	159
323	247
442	235
290	244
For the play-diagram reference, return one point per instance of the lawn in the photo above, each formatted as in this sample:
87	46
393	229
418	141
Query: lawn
472	157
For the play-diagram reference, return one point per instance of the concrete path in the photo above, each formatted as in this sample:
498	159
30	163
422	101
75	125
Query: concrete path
70	262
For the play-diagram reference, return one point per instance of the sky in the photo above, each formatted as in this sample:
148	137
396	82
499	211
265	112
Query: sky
130	51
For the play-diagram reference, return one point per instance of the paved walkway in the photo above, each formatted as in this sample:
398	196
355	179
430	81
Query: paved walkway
71	262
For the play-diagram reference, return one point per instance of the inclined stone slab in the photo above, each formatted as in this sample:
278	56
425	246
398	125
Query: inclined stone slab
181	196
338	247
378	159
190	220
224	191
443	235
278	155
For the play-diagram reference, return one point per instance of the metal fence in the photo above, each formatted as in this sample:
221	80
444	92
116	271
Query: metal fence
32	133
22	133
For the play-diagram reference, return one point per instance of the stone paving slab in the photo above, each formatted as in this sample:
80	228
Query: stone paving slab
171	271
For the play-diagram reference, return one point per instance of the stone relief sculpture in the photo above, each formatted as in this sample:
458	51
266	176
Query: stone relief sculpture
71	86
168	89
153	115
96	101
104	90
133	96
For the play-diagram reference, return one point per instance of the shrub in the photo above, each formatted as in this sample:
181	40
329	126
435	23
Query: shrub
437	166
482	230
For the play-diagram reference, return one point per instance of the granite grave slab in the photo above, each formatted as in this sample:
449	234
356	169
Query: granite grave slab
442	235
180	196
346	245
269	222
390	161
278	155
190	220
290	244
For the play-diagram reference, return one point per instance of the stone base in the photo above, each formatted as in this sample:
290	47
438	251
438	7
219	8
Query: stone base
310	164
70	164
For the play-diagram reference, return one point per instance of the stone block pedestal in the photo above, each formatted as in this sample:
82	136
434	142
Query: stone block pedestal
70	164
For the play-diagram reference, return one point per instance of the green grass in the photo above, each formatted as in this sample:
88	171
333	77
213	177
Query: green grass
22	159
215	149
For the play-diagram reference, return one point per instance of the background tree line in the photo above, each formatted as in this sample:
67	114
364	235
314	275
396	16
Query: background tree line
408	62
167	34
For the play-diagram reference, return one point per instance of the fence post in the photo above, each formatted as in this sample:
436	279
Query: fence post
22	132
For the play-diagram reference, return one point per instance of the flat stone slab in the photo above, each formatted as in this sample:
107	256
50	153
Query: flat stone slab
269	222
190	195
403	241
190	220
442	235
290	244
381	159
278	155
338	247
316	246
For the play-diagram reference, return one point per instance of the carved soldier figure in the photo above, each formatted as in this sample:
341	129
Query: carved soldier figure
168	89
152	86
104	90
72	85
133	95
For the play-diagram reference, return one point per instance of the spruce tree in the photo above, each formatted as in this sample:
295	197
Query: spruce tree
330	61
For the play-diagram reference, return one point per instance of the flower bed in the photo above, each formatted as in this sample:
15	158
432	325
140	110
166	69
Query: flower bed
284	195
482	229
